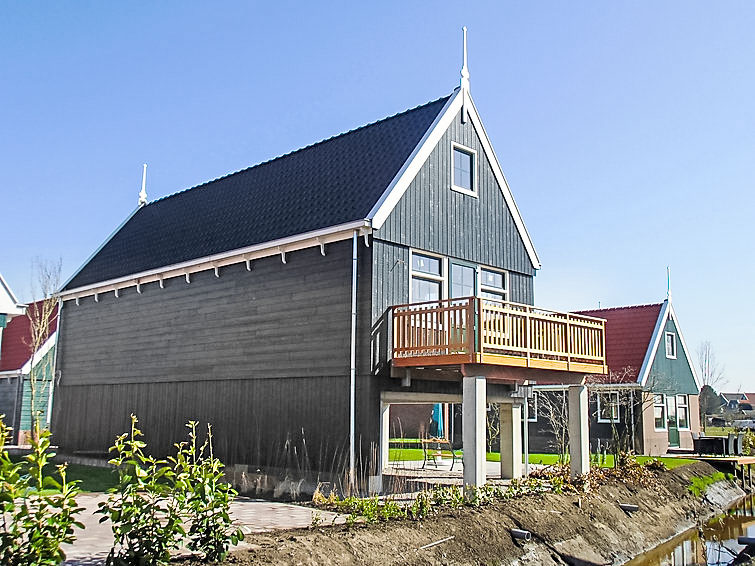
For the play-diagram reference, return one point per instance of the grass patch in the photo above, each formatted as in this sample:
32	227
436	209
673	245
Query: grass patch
92	478
719	430
699	484
415	454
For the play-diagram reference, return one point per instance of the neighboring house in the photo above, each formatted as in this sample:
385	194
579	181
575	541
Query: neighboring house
732	400
649	398
16	362
272	302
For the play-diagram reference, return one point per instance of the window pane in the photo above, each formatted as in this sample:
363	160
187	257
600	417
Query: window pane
493	296
462	281
682	417
426	264
681	400
660	418
670	345
492	279
424	290
462	170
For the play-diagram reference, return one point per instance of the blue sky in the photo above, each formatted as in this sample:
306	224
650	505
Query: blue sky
626	130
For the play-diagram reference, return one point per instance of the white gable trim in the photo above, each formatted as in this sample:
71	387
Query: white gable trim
499	176
666	310
40	354
10	304
397	187
408	172
647	363
684	347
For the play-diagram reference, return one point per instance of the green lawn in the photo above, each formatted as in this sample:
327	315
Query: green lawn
415	454
719	430
93	479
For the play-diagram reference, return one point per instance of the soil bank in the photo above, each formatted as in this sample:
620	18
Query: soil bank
586	529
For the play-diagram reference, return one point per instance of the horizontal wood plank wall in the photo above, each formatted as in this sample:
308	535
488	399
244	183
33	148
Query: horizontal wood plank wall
262	355
279	422
431	216
279	320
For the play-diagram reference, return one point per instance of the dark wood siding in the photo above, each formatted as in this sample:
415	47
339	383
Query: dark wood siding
263	355
430	216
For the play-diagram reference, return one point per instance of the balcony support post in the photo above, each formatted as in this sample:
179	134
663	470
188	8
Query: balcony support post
385	434
579	434
473	431
511	440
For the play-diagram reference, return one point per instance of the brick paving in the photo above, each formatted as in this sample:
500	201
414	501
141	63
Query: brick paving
252	515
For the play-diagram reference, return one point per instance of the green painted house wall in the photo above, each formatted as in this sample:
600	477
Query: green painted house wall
44	369
673	376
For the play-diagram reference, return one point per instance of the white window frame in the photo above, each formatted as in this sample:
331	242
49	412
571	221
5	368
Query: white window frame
671	356
473	154
442	278
663	405
685	405
484	288
614	419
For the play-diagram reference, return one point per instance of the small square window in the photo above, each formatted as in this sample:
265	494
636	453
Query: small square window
608	407
671	345
462	170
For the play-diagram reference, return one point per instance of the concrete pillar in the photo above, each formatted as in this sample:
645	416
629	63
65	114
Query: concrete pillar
473	430
385	434
579	433
511	440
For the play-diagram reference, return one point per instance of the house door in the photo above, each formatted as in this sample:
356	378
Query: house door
671	419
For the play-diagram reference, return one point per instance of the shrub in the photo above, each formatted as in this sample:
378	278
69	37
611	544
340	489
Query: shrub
146	519
41	511
204	497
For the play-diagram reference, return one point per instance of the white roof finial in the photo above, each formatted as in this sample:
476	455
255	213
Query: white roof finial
464	69
668	283
143	192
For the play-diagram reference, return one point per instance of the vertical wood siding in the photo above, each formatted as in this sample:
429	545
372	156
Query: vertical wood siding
431	216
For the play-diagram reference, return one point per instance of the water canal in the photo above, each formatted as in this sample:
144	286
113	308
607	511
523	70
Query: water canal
713	545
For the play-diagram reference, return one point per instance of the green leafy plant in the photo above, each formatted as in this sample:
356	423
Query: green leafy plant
146	519
204	497
38	512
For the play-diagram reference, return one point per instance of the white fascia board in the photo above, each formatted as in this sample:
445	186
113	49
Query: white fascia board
401	181
257	251
502	183
655	340
695	375
102	245
40	354
10	305
9	373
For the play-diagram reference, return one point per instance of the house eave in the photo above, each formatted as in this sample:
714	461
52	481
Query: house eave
296	242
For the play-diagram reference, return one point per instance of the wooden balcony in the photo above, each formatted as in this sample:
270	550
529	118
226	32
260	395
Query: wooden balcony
482	331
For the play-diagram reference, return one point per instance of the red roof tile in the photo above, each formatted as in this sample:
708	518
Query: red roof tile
14	349
628	334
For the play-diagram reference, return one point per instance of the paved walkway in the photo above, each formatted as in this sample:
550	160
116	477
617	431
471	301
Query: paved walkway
252	515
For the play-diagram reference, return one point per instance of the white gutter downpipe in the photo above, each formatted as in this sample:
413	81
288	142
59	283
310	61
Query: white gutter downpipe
353	368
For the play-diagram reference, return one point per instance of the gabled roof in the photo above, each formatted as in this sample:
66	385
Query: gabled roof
358	176
629	331
733	396
16	337
9	304
633	335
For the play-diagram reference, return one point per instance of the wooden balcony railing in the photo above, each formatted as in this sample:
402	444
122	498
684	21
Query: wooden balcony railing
477	330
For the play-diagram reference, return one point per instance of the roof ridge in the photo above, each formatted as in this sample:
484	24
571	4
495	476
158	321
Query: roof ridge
295	151
627	307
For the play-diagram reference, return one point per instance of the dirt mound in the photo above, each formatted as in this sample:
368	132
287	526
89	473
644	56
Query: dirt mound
586	529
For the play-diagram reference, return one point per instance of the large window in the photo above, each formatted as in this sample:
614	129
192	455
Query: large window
682	411
671	345
427	278
608	406
462	281
493	285
659	412
463	169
